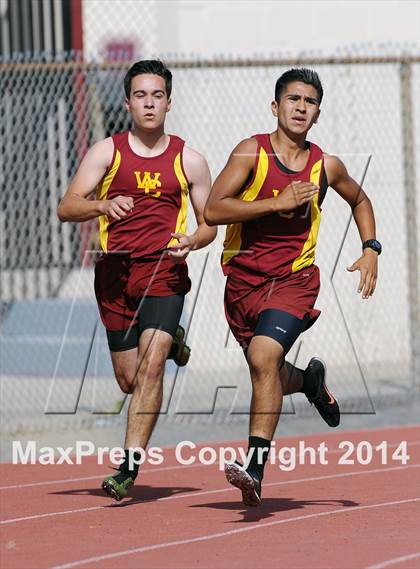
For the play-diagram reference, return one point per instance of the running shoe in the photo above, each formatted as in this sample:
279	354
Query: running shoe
180	352
324	401
117	485
249	486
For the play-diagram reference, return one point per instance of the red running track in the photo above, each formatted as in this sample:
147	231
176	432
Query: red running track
314	516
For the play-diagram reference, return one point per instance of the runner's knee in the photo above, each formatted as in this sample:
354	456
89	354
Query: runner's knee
260	363
152	367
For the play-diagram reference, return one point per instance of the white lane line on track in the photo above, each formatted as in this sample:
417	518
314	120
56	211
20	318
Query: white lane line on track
229	532
82	478
157	469
394	561
207	493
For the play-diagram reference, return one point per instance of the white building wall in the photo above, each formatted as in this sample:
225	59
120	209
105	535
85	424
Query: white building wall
245	28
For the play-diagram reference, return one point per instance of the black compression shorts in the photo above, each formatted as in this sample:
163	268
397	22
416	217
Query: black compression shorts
283	327
156	312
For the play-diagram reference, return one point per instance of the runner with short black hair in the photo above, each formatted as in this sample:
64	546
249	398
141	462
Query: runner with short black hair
270	193
142	179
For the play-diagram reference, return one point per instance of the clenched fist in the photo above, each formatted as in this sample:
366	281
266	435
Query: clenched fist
118	207
295	195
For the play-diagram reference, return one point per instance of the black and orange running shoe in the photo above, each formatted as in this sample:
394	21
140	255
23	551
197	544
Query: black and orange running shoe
324	400
180	352
237	475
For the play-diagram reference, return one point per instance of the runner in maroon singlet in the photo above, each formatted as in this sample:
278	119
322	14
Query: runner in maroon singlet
143	179
270	193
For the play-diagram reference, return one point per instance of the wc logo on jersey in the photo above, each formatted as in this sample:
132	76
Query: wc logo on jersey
149	184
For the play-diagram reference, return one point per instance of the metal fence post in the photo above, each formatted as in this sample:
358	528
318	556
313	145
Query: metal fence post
408	149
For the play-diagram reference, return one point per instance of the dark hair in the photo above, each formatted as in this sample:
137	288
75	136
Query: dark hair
152	66
304	76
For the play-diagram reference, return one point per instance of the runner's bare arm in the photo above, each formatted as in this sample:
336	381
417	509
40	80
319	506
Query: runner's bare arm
198	174
76	205
349	190
223	205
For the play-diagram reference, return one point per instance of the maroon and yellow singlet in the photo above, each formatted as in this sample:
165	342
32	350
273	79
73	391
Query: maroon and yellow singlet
159	188
276	245
134	263
270	260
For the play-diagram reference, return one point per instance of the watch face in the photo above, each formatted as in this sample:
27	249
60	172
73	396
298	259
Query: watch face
373	244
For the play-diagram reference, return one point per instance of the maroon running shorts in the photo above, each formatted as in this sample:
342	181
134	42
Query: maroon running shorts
295	294
121	282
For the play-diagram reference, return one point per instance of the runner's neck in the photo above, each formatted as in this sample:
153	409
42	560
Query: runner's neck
148	144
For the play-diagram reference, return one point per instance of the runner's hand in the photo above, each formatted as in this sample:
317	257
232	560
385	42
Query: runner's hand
118	208
368	267
179	251
295	195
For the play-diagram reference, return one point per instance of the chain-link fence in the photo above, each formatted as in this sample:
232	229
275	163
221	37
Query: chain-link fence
134	32
53	111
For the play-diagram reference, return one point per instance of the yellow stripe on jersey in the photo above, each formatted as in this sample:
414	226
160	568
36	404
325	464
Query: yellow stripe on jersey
233	239
307	255
102	195
181	222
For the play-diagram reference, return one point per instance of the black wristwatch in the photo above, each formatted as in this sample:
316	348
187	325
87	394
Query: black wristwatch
373	244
